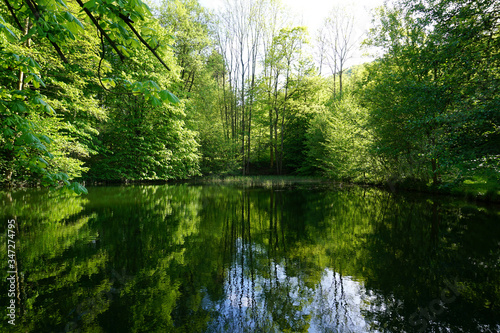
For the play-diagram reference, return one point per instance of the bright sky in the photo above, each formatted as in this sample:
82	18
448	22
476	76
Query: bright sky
311	13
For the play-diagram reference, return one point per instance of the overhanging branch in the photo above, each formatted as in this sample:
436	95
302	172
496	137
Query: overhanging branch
34	9
11	10
101	30
128	22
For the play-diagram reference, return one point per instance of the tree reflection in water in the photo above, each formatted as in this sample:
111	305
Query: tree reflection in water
226	259
262	295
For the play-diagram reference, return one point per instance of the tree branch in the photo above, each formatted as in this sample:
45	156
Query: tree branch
101	30
128	22
32	6
11	10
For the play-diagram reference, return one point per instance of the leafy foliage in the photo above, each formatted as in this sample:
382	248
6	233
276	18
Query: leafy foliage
107	90
431	96
55	100
338	141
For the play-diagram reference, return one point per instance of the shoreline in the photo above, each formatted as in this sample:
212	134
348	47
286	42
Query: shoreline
468	192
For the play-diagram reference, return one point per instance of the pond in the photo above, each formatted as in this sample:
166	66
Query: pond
303	258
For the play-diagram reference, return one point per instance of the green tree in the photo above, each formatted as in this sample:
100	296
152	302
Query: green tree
188	23
33	34
338	138
463	53
202	84
285	90
144	139
432	94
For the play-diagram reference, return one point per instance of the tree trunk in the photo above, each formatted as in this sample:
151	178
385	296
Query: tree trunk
435	175
271	155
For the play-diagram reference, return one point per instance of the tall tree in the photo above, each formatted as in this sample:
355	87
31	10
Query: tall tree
335	42
338	139
288	67
278	19
188	23
240	29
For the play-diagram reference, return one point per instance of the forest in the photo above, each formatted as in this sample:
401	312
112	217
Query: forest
112	90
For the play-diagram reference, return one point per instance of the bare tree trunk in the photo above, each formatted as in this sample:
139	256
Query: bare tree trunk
340	81
271	155
225	119
276	154
338	30
20	85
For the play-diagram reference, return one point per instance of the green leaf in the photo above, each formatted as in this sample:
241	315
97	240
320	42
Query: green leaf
18	107
45	105
73	25
71	35
61	176
137	87
124	50
68	16
33	64
8	132
61	3
78	188
29	138
122	29
90	4
109	81
155	101
37	81
167	95
11	37
43	161
77	21
45	138
154	85
133	42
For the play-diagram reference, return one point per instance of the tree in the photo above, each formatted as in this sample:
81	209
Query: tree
434	87
463	48
145	139
203	83
239	33
288	69
278	19
338	138
29	26
188	23
335	43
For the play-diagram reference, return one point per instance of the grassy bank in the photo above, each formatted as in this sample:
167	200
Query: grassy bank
480	189
477	189
260	181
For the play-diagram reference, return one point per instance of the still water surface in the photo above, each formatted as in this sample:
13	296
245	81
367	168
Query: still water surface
185	258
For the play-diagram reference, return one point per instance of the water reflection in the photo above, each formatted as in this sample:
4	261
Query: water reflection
225	259
283	303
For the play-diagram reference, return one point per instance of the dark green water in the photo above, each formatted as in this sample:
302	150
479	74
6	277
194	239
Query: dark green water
226	259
